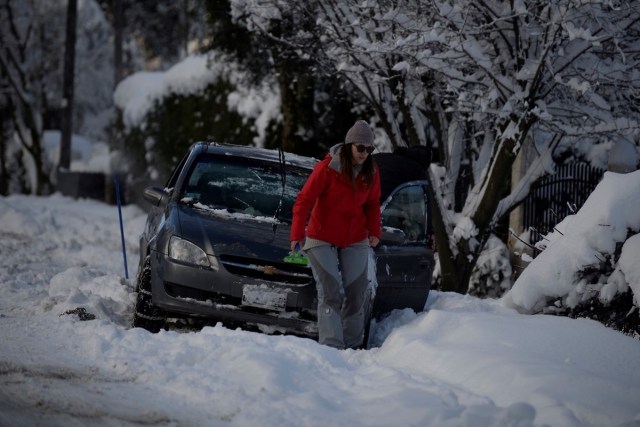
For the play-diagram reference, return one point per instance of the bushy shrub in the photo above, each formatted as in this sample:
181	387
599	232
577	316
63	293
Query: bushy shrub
179	115
492	274
181	120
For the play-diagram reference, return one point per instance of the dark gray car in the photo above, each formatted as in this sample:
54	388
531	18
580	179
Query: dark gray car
217	234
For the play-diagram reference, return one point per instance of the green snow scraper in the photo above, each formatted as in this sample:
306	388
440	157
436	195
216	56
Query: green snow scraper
296	257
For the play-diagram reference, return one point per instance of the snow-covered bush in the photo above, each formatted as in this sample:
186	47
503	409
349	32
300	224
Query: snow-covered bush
492	275
589	264
201	98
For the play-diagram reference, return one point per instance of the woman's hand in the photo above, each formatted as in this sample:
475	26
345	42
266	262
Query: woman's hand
294	243
373	241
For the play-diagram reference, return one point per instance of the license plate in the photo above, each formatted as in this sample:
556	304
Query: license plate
256	296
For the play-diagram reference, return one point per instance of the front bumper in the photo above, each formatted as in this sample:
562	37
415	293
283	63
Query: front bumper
186	290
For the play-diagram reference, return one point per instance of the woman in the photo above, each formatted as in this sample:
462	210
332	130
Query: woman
342	195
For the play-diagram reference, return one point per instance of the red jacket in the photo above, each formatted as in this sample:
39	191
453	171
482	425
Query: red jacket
339	215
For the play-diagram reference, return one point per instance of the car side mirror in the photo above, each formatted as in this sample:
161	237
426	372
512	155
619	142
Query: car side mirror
392	236
154	195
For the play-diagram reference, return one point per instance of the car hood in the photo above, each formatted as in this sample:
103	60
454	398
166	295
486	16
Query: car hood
221	233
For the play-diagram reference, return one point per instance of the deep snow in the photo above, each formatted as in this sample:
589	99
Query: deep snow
463	362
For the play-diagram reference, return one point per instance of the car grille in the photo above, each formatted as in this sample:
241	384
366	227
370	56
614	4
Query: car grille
178	291
280	272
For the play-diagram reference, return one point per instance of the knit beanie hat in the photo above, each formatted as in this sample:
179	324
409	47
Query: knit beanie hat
359	132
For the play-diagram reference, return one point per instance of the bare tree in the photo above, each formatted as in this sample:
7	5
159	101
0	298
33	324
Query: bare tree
23	40
31	53
477	80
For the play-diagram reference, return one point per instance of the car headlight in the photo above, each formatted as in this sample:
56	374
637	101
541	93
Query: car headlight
185	251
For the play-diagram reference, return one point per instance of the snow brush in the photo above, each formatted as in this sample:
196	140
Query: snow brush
296	257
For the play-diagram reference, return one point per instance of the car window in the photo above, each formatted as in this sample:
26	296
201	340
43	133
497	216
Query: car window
176	172
406	212
248	186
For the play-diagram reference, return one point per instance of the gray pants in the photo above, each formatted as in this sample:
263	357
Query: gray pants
341	280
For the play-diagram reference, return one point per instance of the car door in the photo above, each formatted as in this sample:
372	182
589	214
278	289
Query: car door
404	259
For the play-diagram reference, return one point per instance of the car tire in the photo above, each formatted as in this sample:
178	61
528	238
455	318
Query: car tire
147	315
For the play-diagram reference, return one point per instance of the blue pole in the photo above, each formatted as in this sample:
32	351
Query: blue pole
124	249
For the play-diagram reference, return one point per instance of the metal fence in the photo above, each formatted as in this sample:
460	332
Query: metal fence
553	197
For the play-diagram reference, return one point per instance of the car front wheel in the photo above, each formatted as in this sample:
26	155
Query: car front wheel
147	315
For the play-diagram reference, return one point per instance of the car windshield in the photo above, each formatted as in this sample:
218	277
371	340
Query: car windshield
248	186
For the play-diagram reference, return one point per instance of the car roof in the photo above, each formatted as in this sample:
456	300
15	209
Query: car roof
255	153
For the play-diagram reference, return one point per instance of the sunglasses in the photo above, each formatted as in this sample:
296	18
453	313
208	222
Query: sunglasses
362	148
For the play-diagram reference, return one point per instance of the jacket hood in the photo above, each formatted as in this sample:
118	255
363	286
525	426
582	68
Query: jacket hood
335	163
334	152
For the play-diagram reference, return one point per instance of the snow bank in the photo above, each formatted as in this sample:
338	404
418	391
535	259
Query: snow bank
582	240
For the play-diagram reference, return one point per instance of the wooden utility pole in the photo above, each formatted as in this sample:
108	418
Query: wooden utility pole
118	27
67	89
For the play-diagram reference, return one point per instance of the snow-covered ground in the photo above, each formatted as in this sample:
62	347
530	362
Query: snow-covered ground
462	362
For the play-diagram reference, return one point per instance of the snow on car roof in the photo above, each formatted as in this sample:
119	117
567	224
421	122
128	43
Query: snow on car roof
260	153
